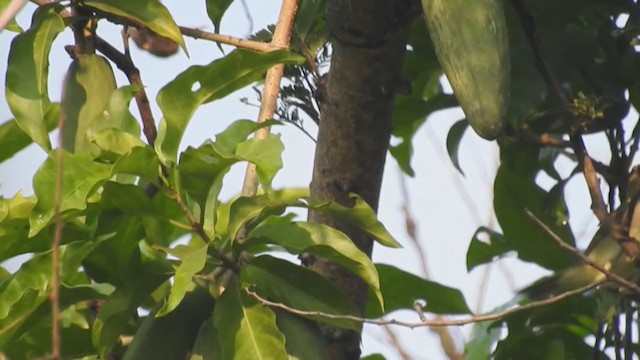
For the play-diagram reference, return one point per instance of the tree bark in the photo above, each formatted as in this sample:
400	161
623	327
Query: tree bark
369	40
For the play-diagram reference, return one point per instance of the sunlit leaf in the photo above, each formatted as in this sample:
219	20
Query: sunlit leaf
13	139
255	334
26	86
179	99
321	240
193	258
86	92
81	177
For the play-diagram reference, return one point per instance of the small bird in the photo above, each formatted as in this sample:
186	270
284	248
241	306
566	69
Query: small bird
605	249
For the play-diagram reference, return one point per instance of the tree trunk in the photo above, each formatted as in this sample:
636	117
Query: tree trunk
369	40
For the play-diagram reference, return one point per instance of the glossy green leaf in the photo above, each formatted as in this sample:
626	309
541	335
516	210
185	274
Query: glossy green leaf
360	215
114	143
141	161
454	138
86	92
401	289
81	179
13	139
245	209
151	13
116	114
173	336
203	168
29	287
215	10
304	340
26	85
179	99
321	240
246	328
192	260
299	288
483	252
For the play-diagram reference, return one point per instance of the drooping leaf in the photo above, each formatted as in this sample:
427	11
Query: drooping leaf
26	85
454	137
13	139
246	329
401	289
179	99
81	178
215	10
88	86
193	258
299	288
321	240
481	252
150	13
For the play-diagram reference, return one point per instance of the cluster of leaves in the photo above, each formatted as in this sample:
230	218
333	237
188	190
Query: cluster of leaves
590	47
169	267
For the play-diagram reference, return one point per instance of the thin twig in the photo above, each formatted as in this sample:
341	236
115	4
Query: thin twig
607	273
269	103
430	323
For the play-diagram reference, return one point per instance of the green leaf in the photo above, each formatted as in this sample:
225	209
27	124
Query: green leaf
113	143
179	99
453	142
480	346
81	179
304	340
299	288
374	357
29	287
26	84
515	190
400	289
482	252
245	209
87	90
193	258
215	10
360	215
151	13
246	329
13	139
173	336
318	239
141	161
116	114
203	168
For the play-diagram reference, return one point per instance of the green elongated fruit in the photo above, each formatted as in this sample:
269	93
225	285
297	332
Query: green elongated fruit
87	89
470	39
